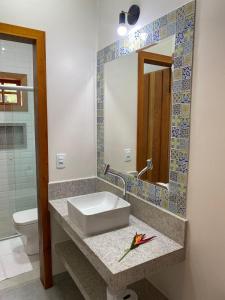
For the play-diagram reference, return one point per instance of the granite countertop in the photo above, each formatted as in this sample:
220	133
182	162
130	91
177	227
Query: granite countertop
105	250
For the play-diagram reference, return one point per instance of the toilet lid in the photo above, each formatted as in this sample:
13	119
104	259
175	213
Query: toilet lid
25	217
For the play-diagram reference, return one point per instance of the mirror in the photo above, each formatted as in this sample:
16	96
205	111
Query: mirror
137	112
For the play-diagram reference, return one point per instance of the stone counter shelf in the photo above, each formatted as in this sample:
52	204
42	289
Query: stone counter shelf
88	280
104	250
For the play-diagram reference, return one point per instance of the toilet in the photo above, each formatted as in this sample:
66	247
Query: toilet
26	223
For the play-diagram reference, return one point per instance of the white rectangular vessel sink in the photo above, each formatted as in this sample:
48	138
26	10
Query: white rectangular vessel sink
98	212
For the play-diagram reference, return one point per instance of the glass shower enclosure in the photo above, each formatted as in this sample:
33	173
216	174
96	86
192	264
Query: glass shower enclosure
18	189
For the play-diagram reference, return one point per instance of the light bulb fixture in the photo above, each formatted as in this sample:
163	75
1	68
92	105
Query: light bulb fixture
122	29
132	18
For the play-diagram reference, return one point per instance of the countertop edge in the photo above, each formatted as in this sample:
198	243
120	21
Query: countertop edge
122	278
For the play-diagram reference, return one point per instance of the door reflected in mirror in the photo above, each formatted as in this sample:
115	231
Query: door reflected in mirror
137	112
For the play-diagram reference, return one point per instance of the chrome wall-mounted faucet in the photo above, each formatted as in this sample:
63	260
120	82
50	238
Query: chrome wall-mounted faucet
107	170
148	167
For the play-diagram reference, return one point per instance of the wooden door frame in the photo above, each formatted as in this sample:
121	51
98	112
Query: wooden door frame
37	38
142	109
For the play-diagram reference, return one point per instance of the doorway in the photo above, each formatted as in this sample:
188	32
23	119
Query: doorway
154	115
36	40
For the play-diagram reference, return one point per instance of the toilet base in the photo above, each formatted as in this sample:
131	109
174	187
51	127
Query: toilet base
30	240
31	245
26	223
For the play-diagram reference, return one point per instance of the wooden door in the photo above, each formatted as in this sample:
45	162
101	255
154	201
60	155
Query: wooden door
153	124
157	96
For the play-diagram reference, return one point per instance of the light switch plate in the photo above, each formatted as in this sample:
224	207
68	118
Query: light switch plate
127	155
60	160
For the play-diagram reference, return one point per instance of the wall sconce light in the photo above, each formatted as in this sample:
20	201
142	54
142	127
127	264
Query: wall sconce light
132	18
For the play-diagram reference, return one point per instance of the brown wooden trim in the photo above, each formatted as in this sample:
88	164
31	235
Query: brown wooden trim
165	126
142	115
155	59
37	38
142	110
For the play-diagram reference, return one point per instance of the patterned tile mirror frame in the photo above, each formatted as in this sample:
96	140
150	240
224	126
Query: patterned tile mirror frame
180	23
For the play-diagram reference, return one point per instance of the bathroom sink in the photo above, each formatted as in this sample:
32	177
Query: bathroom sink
98	212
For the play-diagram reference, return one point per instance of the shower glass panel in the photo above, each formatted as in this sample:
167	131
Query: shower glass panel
17	134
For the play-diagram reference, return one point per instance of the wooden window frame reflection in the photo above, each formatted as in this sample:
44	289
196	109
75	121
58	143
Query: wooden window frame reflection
22	99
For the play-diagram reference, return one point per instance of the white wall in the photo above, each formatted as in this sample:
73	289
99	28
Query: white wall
18	166
201	276
70	27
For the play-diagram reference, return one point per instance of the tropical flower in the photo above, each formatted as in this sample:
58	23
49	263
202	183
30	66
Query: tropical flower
138	239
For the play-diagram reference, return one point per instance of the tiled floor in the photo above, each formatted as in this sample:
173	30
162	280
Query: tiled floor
13	258
24	277
64	289
27	286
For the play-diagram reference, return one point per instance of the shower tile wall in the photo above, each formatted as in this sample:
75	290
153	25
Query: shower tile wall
17	166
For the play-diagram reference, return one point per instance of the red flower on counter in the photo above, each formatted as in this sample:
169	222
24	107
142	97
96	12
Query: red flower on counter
139	239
